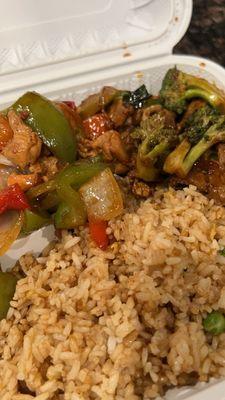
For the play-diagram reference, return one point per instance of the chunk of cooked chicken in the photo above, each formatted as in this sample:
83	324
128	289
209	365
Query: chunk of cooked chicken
111	145
216	182
168	116
141	189
71	115
148	111
25	181
119	112
85	149
47	167
25	146
6	132
208	176
120	169
195	177
221	155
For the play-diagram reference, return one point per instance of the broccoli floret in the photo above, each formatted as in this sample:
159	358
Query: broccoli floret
197	124
206	131
157	138
178	87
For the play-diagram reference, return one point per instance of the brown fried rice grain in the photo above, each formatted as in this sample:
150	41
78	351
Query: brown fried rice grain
125	323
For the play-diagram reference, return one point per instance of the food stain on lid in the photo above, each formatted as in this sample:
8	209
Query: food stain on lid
202	64
139	74
127	54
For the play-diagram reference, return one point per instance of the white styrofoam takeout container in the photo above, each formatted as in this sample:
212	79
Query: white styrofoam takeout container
68	49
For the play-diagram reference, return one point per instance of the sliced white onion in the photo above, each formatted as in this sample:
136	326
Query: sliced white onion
5	161
10	226
5	171
8	219
102	196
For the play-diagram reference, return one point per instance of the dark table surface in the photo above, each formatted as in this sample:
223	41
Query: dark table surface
206	34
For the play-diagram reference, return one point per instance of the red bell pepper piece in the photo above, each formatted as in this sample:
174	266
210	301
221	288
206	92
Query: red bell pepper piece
98	233
95	126
13	198
70	103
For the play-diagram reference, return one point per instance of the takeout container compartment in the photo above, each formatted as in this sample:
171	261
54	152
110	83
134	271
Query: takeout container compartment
70	49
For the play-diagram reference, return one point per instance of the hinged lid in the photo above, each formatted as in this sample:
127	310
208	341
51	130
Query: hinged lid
35	33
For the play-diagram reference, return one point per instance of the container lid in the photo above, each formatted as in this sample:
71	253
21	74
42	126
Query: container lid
96	33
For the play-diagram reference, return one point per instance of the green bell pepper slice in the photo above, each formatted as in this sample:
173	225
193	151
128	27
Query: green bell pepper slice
42	188
61	192
34	221
50	201
71	211
49	123
7	290
75	174
79	173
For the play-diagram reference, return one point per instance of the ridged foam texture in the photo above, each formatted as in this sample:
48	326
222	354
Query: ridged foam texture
54	31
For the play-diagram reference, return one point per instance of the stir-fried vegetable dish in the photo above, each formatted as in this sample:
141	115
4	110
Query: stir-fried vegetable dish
71	166
67	165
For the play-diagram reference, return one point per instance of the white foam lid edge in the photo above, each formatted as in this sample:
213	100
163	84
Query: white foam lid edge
92	33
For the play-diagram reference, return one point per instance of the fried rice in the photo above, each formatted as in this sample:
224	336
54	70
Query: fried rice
125	323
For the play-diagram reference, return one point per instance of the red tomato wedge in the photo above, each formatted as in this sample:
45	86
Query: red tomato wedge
70	103
13	198
95	126
98	233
